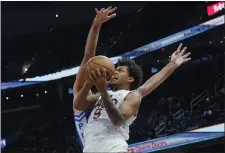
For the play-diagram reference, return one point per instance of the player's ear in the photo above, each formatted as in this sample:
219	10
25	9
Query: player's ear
130	79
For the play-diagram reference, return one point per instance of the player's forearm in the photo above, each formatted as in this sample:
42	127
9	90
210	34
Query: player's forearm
113	112
80	100
92	39
157	79
90	49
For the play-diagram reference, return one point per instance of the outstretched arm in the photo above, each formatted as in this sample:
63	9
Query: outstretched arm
177	59
90	48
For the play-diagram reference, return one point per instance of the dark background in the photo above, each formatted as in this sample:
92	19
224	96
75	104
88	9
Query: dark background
30	30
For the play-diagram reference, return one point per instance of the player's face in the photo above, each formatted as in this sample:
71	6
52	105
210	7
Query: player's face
121	76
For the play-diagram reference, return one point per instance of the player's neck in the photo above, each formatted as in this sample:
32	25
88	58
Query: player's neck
121	87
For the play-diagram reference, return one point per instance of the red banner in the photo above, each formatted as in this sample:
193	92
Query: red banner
215	8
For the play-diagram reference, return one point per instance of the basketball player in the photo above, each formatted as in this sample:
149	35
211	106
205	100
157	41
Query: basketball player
114	111
102	16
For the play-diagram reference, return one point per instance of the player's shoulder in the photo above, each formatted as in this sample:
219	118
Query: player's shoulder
133	98
134	94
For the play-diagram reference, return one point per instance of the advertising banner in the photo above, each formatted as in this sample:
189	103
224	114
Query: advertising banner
181	139
215	8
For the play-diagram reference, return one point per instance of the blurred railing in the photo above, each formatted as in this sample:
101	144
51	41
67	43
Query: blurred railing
178	114
198	99
159	128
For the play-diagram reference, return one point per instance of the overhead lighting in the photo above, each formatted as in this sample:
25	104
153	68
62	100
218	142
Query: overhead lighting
46	91
221	41
7	98
56	15
21	95
26	66
210	42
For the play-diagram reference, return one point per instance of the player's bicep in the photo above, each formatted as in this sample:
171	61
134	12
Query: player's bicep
143	90
83	103
130	105
148	87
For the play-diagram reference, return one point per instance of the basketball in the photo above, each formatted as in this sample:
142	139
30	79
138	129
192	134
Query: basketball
101	62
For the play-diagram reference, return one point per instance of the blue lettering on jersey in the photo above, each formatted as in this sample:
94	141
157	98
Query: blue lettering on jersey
80	125
81	120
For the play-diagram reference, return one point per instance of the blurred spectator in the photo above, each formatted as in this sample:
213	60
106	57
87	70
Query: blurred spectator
174	107
182	102
216	109
193	96
222	91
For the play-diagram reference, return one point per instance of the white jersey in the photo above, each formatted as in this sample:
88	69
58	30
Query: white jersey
99	124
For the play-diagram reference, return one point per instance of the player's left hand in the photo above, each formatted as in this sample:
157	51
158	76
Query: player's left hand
178	57
98	78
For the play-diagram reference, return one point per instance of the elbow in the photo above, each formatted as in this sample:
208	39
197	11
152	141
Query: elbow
119	122
76	106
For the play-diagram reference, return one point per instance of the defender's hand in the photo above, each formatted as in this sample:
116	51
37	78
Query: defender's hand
103	15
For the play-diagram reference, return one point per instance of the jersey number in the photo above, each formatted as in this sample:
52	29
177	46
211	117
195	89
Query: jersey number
97	113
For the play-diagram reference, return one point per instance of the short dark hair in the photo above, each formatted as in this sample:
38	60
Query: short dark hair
134	71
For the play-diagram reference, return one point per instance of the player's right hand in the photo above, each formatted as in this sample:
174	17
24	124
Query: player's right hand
104	14
98	77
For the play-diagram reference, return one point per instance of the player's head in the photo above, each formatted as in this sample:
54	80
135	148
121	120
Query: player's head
127	74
